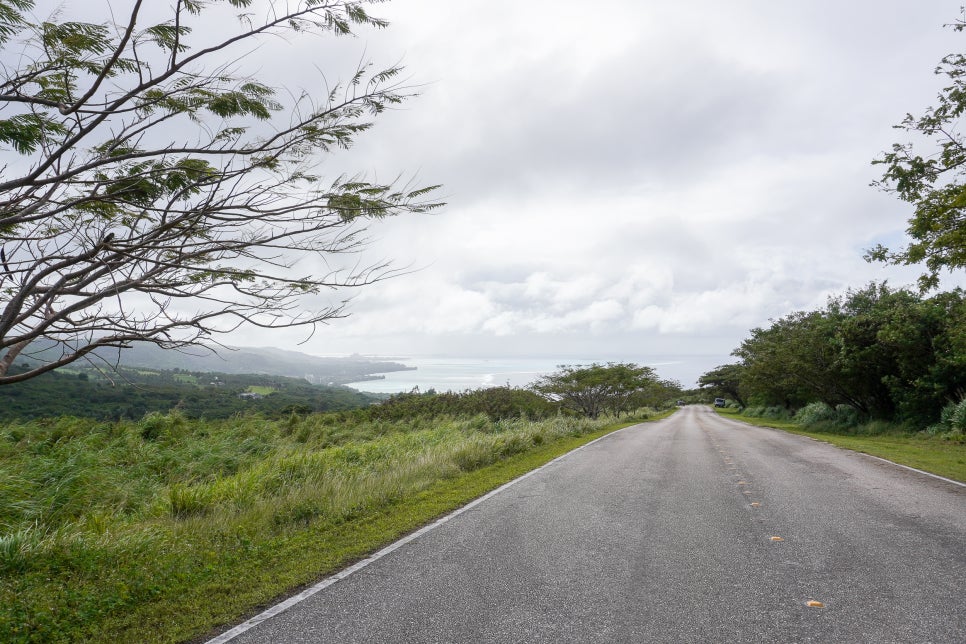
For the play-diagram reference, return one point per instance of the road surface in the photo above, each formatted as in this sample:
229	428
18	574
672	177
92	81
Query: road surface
691	529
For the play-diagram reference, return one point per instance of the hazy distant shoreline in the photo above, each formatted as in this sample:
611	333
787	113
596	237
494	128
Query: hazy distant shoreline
446	373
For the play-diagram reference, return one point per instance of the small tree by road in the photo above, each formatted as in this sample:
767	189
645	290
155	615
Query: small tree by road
152	191
592	390
724	381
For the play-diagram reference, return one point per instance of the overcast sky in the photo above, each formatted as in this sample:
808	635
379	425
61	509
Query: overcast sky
634	178
626	178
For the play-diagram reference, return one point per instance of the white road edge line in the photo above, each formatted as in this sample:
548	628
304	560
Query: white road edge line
906	467
342	574
878	458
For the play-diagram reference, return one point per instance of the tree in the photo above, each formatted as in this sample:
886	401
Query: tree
162	195
724	380
597	388
887	353
935	183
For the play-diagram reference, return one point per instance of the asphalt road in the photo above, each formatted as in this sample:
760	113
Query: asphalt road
668	532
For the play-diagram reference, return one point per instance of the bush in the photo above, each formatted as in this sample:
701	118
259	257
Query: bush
495	403
814	413
846	416
952	422
823	416
772	413
957	417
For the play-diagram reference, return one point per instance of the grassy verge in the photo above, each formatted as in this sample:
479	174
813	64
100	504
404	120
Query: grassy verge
334	547
928	453
161	530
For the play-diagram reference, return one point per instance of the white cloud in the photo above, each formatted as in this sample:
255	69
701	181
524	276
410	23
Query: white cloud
662	176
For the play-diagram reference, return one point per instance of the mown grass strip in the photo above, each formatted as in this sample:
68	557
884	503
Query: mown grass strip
928	453
274	570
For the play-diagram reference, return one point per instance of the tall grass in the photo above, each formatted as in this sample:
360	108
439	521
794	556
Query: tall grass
98	521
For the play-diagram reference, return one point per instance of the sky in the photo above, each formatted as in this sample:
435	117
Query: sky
624	179
629	178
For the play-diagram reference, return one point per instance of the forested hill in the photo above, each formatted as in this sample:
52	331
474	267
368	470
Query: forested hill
268	361
132	393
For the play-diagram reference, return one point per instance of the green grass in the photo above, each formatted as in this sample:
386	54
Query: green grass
161	530
929	453
261	389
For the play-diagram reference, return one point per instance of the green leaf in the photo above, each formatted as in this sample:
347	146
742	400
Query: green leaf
168	36
11	18
26	132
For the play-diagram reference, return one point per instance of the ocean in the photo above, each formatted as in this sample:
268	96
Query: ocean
459	374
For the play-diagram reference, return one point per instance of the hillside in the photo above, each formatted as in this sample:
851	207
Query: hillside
133	393
265	361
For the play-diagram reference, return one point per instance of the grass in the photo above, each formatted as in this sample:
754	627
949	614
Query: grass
921	451
261	389
159	531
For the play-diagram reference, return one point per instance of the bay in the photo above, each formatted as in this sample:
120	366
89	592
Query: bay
446	373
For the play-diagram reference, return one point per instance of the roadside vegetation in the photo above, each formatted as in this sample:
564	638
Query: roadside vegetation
939	452
131	393
612	388
163	528
878	370
873	354
877	358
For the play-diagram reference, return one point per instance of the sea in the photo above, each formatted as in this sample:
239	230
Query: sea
460	373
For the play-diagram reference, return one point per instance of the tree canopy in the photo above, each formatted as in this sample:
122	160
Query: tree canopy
156	192
592	390
886	353
931	175
724	380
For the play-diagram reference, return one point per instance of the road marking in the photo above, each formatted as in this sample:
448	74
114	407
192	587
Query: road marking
743	425
906	467
342	574
755	504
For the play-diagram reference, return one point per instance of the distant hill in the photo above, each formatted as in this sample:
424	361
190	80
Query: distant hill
130	393
264	361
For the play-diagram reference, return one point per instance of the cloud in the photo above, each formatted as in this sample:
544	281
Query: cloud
626	176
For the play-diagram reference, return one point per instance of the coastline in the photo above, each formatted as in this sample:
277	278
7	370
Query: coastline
459	373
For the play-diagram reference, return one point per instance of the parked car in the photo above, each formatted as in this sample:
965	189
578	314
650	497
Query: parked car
719	402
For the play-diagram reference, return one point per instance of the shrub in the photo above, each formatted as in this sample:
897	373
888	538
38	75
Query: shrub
777	413
846	416
952	421
814	413
957	418
773	413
